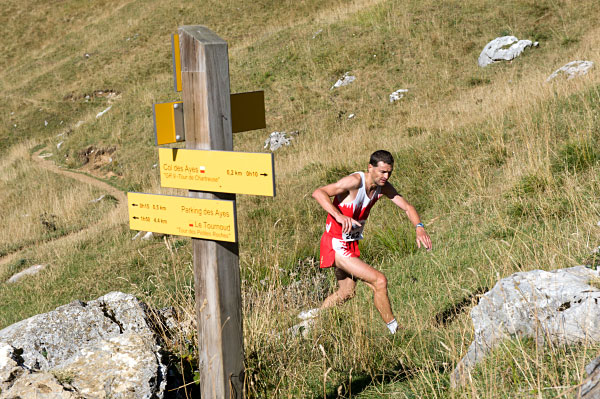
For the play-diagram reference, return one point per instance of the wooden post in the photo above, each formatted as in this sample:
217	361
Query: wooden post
207	119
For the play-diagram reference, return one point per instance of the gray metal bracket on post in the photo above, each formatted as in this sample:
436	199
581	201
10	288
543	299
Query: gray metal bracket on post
179	125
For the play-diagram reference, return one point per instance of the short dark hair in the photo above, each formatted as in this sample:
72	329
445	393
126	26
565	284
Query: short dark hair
381	156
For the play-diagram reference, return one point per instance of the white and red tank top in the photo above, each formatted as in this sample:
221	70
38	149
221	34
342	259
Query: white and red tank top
358	209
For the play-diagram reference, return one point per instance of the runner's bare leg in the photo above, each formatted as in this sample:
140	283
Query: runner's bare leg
356	268
344	292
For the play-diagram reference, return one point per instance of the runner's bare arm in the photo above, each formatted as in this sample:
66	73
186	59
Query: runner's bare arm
323	196
422	237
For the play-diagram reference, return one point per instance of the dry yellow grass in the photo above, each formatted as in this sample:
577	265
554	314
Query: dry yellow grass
475	147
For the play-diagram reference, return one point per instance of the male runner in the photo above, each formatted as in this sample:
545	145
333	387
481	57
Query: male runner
354	196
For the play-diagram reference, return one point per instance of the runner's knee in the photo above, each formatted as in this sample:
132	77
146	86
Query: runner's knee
381	282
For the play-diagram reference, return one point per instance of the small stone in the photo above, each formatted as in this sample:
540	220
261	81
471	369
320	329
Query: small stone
344	80
147	236
303	328
59	145
277	140
103	112
100	198
397	95
135	237
30	271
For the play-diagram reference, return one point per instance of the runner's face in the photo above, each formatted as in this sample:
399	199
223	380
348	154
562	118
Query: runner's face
380	173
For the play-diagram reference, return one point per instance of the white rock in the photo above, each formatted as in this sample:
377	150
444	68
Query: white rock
59	145
100	198
30	271
11	366
303	328
309	314
277	140
503	48
147	236
42	385
559	305
351	116
103	112
45	123
397	95
344	80
135	237
99	349
572	70
129	365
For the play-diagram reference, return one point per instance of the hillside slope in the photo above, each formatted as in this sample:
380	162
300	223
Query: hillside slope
503	167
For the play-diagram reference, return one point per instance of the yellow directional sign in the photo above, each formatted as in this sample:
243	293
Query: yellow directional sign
168	122
217	171
176	62
183	216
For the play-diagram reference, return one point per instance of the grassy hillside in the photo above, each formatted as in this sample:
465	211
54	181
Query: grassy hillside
503	167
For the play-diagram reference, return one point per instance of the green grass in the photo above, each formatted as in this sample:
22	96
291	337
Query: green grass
503	169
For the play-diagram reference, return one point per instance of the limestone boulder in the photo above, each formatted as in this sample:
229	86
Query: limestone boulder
107	347
572	70
131	368
590	388
11	366
505	48
42	385
560	306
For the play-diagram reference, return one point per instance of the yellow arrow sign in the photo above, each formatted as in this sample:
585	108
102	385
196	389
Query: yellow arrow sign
183	216
217	171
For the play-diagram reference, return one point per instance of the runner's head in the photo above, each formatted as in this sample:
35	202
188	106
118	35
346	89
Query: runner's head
380	166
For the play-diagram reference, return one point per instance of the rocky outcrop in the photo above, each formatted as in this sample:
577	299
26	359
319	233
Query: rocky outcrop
572	70
559	306
505	48
103	348
590	388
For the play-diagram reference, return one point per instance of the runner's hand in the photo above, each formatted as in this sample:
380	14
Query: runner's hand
423	238
347	223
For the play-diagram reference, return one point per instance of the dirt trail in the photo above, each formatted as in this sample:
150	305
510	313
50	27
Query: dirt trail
113	217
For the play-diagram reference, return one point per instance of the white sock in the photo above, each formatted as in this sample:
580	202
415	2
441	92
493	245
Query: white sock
392	326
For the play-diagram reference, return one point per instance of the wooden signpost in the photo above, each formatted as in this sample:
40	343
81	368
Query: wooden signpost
208	164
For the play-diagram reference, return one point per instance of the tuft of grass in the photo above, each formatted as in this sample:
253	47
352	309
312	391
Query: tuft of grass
575	157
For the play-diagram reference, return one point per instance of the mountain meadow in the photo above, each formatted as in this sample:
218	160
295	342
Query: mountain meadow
502	165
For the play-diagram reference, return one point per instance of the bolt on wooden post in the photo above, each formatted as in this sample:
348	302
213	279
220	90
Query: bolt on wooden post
207	121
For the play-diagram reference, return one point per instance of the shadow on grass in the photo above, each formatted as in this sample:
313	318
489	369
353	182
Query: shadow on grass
449	314
351	387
